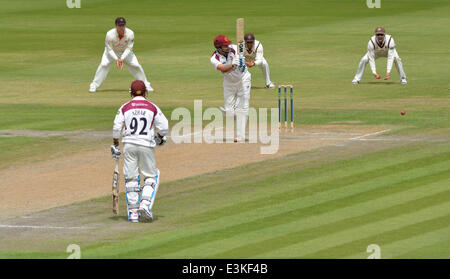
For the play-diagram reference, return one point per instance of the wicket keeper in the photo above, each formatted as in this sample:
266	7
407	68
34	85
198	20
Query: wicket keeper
254	56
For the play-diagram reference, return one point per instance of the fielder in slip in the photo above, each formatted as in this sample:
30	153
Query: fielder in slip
380	45
236	83
139	117
255	57
119	49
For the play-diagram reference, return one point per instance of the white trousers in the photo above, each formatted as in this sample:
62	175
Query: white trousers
363	62
138	158
264	66
237	102
130	62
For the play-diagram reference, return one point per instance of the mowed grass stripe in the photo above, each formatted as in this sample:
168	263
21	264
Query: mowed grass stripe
439	250
325	197
286	217
410	245
419	228
210	248
254	249
167	208
159	238
331	183
277	169
351	234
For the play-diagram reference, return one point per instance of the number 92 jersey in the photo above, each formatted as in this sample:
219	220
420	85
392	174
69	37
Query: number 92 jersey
138	118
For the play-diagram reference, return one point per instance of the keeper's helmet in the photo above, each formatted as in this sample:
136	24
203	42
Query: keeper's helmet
221	40
249	38
138	88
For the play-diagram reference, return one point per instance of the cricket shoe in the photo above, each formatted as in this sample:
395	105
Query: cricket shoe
92	88
133	215
355	81
144	209
403	81
270	85
149	88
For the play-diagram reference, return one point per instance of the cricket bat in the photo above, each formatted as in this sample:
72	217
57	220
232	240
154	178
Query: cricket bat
240	35
115	189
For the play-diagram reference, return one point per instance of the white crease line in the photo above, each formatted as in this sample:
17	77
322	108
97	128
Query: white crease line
371	134
42	227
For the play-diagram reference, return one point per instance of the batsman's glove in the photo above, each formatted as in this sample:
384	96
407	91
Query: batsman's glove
160	140
243	68
115	151
238	61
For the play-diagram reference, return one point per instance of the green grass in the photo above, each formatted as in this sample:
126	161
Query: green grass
282	208
334	210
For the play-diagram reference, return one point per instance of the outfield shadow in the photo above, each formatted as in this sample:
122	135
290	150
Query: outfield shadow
381	83
112	90
122	218
118	218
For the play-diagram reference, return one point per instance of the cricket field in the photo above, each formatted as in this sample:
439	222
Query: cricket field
353	173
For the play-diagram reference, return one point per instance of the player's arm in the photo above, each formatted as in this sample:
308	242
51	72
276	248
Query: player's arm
259	55
129	47
390	58
162	124
371	55
224	68
219	66
117	128
118	125
109	48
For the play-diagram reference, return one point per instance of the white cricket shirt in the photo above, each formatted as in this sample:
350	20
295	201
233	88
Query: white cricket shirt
138	118
234	75
119	47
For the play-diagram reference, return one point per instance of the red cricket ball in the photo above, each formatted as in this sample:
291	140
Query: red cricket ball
403	112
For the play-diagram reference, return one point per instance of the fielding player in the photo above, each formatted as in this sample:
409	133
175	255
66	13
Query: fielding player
139	117
380	45
119	48
236	83
253	54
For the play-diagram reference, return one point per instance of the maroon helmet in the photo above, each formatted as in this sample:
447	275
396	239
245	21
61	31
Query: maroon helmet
249	38
138	88
221	40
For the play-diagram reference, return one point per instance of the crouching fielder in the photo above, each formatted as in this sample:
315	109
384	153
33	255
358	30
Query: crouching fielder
236	83
138	117
380	45
254	56
119	44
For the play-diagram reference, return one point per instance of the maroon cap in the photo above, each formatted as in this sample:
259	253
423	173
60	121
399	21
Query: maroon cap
120	21
221	40
249	37
138	87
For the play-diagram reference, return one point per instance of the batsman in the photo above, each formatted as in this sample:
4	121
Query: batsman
138	118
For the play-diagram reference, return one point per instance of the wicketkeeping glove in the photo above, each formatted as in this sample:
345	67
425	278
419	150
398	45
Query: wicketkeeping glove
160	140
115	151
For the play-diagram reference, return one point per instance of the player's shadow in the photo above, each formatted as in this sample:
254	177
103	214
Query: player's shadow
122	218
112	90
381	83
